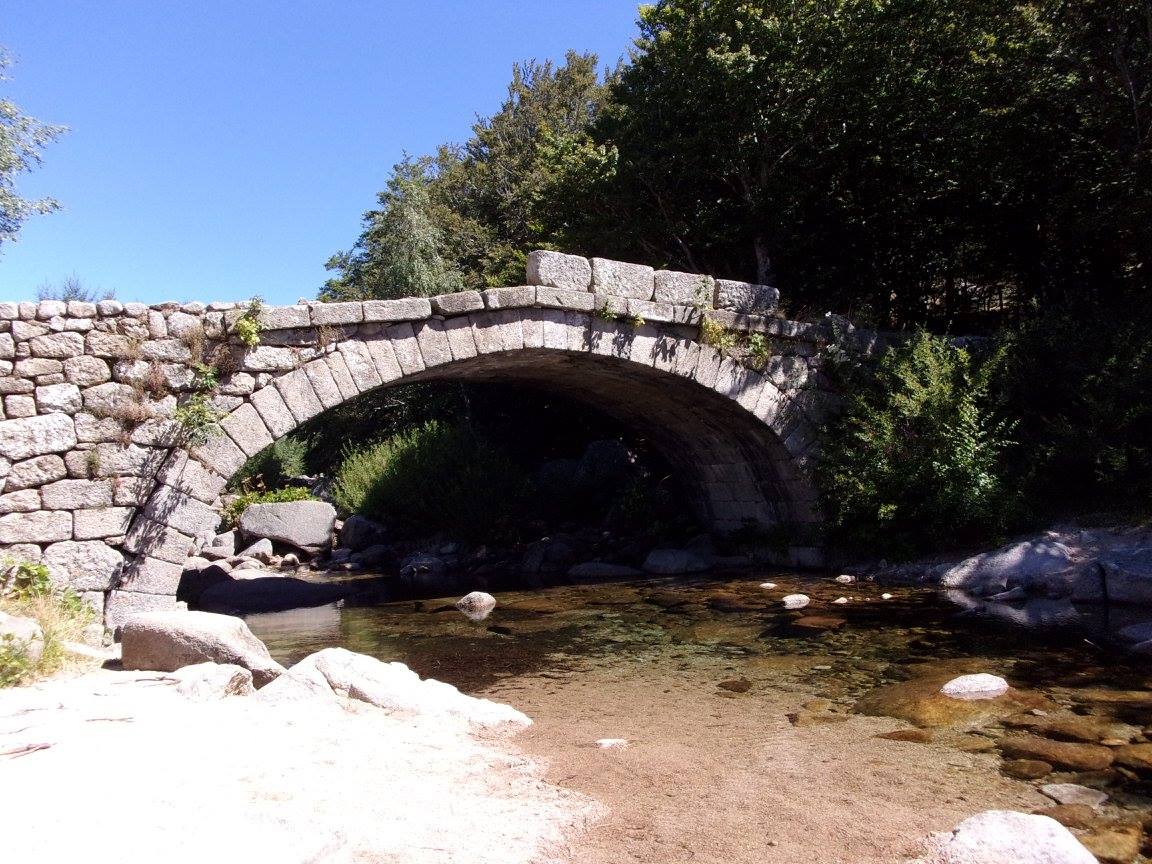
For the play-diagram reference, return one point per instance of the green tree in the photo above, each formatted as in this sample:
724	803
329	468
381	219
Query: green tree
472	211
904	161
21	140
917	460
398	255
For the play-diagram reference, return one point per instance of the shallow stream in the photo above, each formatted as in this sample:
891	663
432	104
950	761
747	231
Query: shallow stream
726	698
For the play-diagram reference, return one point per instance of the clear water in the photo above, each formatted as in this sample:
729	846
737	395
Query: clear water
687	635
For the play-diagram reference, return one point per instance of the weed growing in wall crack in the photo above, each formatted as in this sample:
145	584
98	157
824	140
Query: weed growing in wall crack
248	327
198	421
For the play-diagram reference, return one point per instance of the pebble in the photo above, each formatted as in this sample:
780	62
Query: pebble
845	579
841	600
1026	769
885	596
768	585
611	743
796	601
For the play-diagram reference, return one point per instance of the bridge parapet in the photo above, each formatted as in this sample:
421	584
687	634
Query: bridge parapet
100	479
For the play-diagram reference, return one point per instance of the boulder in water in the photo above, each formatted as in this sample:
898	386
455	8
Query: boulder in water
477	605
359	533
1019	564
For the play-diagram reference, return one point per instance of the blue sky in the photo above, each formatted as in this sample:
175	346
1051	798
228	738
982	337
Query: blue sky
224	149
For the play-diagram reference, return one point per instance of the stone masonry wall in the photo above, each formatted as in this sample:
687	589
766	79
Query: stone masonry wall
100	482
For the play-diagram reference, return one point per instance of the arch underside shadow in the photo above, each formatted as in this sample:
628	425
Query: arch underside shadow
735	469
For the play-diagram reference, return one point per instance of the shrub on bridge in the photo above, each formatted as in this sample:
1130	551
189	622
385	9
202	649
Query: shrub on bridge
917	460
434	476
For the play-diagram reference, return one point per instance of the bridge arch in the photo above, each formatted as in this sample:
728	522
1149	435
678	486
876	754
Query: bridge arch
118	510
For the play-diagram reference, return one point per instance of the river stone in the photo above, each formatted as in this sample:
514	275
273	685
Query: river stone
1061	754
911	736
359	533
796	601
303	524
1070	815
167	641
1006	837
1138	756
1073	793
978	686
206	682
920	702
816	623
1025	769
476	606
261	550
993	572
1113	842
1084	728
1128	576
17	630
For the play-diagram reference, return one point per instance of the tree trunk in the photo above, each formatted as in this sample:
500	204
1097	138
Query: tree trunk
763	260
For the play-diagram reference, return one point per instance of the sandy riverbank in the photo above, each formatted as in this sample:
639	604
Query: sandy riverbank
134	772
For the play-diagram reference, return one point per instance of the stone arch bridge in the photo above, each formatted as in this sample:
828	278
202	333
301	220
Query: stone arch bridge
101	484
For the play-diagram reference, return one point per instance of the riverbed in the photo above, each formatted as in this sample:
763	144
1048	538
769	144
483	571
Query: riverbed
716	726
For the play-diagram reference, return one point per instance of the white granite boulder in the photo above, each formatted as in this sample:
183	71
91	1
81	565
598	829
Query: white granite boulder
167	641
1006	837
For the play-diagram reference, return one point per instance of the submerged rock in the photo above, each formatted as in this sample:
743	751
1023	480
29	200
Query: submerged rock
920	702
1025	769
911	736
1113	842
1006	837
1061	754
1074	793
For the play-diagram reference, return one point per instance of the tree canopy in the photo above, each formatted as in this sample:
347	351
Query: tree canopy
903	161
